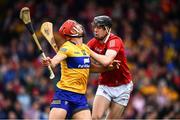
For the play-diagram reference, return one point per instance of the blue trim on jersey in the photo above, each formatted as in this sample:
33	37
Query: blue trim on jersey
78	62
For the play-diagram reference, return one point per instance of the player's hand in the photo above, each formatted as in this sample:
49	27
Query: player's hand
115	64
46	61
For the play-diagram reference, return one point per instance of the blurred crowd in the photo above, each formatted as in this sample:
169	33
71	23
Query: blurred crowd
150	30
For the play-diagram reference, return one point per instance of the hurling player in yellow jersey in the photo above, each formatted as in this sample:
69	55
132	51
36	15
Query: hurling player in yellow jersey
69	100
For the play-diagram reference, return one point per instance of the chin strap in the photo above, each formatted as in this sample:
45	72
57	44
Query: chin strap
74	36
109	32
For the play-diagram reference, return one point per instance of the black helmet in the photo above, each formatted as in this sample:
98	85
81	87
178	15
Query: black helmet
103	20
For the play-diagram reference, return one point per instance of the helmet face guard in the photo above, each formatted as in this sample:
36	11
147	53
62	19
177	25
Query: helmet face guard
102	21
71	28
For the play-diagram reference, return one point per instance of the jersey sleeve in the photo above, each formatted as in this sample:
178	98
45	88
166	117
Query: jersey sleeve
64	50
114	44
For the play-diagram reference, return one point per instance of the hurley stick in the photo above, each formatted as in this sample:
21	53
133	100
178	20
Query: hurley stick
25	17
47	31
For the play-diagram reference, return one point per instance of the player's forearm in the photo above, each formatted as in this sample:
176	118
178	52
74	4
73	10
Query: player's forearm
103	59
57	59
53	63
95	68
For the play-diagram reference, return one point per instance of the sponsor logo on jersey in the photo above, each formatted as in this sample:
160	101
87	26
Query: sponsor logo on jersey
86	60
98	50
83	52
84	66
56	102
66	102
78	62
86	63
76	52
112	43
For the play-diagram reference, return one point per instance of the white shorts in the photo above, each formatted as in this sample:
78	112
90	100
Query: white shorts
119	94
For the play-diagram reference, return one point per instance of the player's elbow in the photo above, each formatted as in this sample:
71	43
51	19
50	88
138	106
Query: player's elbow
105	63
107	60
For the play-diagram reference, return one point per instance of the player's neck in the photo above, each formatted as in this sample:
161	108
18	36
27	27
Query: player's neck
106	38
77	41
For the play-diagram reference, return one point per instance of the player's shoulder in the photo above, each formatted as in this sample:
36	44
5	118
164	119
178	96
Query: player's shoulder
64	47
85	46
66	44
91	41
114	37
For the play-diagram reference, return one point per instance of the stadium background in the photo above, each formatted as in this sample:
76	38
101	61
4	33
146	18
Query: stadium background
150	30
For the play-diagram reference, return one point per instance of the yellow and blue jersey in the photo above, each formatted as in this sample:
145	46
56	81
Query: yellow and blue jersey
75	68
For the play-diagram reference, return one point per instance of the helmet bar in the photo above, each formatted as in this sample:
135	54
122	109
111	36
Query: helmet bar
67	29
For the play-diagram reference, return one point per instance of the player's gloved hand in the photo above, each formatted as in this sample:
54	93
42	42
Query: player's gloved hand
115	64
46	61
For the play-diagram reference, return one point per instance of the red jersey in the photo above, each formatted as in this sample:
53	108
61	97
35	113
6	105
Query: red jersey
115	77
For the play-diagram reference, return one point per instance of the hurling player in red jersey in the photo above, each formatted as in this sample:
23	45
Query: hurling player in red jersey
115	86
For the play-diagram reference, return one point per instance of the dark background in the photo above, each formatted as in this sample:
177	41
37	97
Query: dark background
150	30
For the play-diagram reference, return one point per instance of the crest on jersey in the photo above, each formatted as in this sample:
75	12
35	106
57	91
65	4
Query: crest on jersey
112	43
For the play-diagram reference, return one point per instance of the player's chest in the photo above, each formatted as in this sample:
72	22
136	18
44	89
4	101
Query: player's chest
100	48
78	52
79	59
